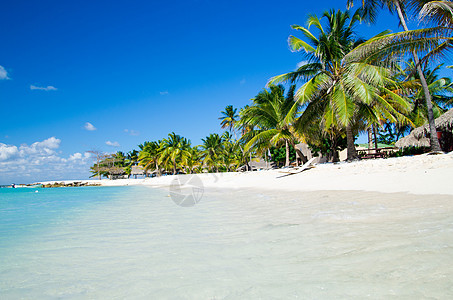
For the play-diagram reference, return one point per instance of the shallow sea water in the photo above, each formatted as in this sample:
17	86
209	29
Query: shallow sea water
136	243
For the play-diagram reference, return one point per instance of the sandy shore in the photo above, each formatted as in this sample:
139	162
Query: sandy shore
423	174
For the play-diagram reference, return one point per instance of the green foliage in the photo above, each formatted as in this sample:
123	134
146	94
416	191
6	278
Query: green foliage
229	117
324	146
278	155
338	94
407	151
175	154
390	133
269	119
174	151
112	164
346	85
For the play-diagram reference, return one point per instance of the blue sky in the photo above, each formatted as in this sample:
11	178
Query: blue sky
135	71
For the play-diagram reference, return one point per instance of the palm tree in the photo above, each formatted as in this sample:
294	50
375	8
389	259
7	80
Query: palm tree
401	7
193	161
211	151
271	116
441	90
149	156
174	150
337	93
132	157
229	118
232	154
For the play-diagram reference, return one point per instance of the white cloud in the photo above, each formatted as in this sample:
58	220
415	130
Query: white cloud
8	151
44	148
76	156
300	64
131	132
163	93
42	88
41	161
3	74
79	156
112	144
243	81
90	127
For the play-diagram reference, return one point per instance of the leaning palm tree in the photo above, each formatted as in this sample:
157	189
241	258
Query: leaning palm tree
337	92
271	116
229	118
402	7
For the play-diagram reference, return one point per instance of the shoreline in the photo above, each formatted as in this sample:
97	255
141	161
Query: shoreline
421	174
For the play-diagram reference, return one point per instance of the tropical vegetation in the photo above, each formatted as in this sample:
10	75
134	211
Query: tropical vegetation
344	86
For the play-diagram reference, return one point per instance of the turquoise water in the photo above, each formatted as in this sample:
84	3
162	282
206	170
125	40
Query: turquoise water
134	242
26	212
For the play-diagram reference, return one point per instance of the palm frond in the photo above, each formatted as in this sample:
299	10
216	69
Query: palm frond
306	33
440	12
314	20
342	103
388	46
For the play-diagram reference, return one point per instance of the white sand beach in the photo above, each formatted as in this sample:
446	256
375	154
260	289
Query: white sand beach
422	174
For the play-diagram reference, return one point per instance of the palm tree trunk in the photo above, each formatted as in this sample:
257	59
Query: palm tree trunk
434	141
375	139
99	170
287	153
297	159
333	148
352	152
158	170
335	157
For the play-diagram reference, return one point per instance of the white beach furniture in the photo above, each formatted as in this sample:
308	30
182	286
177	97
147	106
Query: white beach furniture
299	169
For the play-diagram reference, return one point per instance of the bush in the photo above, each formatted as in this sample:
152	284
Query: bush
409	151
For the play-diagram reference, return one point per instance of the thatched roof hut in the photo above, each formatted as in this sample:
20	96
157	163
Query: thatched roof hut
418	136
411	140
443	123
116	171
137	170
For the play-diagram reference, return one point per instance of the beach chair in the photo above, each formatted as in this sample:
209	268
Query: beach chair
300	169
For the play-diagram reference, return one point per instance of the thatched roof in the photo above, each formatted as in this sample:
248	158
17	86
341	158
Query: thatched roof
137	170
116	171
418	136
443	123
411	140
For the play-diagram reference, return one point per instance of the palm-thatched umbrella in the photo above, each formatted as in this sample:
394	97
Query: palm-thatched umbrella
418	136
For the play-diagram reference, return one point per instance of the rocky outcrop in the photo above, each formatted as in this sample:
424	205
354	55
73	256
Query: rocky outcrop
69	184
